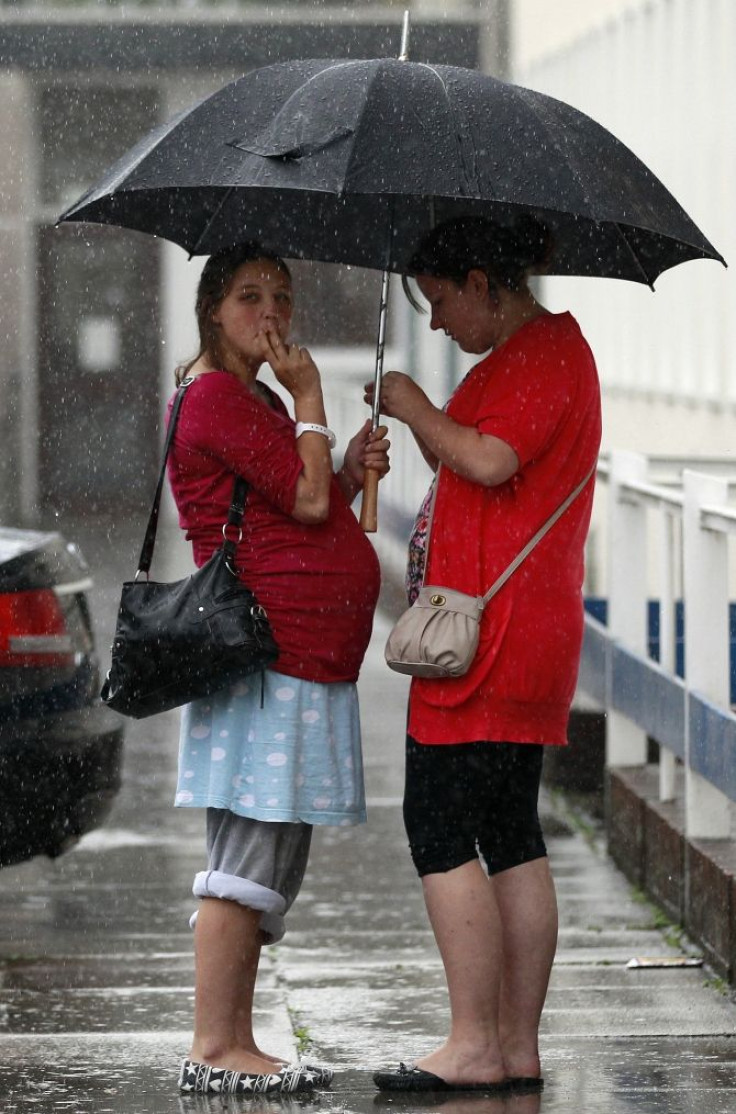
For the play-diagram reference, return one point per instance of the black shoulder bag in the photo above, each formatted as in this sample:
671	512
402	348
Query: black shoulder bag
177	642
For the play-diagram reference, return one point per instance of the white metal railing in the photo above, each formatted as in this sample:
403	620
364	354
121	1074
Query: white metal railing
671	544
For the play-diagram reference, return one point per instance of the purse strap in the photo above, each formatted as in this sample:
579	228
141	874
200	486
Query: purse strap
497	584
524	553
237	503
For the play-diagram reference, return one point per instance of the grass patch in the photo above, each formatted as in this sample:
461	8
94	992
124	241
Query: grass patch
300	1031
674	934
715	982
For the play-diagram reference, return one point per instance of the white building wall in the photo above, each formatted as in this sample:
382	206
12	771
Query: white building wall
539	28
661	76
18	328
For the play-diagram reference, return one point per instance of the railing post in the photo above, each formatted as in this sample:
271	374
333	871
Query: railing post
667	638
626	744
705	579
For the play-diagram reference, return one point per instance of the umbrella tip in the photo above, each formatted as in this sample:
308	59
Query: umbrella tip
404	50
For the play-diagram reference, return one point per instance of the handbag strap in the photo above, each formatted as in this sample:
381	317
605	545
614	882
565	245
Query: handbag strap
237	504
497	584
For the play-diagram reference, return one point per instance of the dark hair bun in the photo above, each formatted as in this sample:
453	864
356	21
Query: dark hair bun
507	253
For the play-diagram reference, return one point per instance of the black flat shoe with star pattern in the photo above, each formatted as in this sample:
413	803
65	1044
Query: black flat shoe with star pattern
321	1074
199	1078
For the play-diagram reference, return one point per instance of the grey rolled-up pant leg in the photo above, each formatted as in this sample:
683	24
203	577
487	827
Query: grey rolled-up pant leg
255	863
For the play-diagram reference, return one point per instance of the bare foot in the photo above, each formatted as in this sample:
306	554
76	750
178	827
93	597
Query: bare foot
513	1071
237	1059
279	1061
461	1065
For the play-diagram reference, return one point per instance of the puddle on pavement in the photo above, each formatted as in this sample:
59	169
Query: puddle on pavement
111	839
584	1080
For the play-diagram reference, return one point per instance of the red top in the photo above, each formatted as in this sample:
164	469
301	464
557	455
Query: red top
319	584
539	393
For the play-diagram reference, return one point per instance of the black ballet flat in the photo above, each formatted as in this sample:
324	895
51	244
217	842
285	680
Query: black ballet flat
525	1084
409	1078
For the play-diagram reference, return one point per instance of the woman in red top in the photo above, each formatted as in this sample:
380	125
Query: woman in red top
268	761
519	434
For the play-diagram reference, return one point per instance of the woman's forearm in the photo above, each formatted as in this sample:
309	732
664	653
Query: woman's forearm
312	501
430	457
476	456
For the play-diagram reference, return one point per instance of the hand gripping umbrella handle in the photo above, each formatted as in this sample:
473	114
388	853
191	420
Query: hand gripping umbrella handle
369	504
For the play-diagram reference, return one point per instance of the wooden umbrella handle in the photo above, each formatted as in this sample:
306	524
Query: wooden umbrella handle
369	505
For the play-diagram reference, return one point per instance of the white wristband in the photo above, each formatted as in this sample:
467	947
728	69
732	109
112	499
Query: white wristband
312	427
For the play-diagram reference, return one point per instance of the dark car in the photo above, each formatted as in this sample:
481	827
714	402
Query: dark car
60	748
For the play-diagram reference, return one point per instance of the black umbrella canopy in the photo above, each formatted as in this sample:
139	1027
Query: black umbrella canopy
354	161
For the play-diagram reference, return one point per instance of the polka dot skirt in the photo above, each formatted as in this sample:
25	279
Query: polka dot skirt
296	758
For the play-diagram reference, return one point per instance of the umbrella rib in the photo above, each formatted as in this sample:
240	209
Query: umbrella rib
620	229
461	152
553	140
581	184
451	111
622	233
211	221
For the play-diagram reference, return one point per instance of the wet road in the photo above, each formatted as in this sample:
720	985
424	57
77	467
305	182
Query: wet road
96	954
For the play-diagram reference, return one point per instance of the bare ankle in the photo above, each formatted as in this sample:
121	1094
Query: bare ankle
208	1052
520	1058
235	1058
455	1062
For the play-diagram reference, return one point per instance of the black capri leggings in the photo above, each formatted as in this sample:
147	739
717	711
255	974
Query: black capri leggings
469	798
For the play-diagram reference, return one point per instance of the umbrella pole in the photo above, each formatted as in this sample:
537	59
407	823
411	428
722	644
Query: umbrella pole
369	505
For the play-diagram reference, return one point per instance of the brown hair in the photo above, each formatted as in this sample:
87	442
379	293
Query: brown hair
214	285
507	254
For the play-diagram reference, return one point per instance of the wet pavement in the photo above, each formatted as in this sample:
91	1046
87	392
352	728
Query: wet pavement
96	974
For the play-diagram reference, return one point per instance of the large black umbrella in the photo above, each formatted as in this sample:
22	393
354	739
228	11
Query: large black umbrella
354	161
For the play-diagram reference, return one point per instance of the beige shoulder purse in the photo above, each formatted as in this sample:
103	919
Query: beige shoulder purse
438	635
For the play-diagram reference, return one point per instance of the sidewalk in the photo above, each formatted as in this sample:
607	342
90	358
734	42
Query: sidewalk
365	986
96	969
